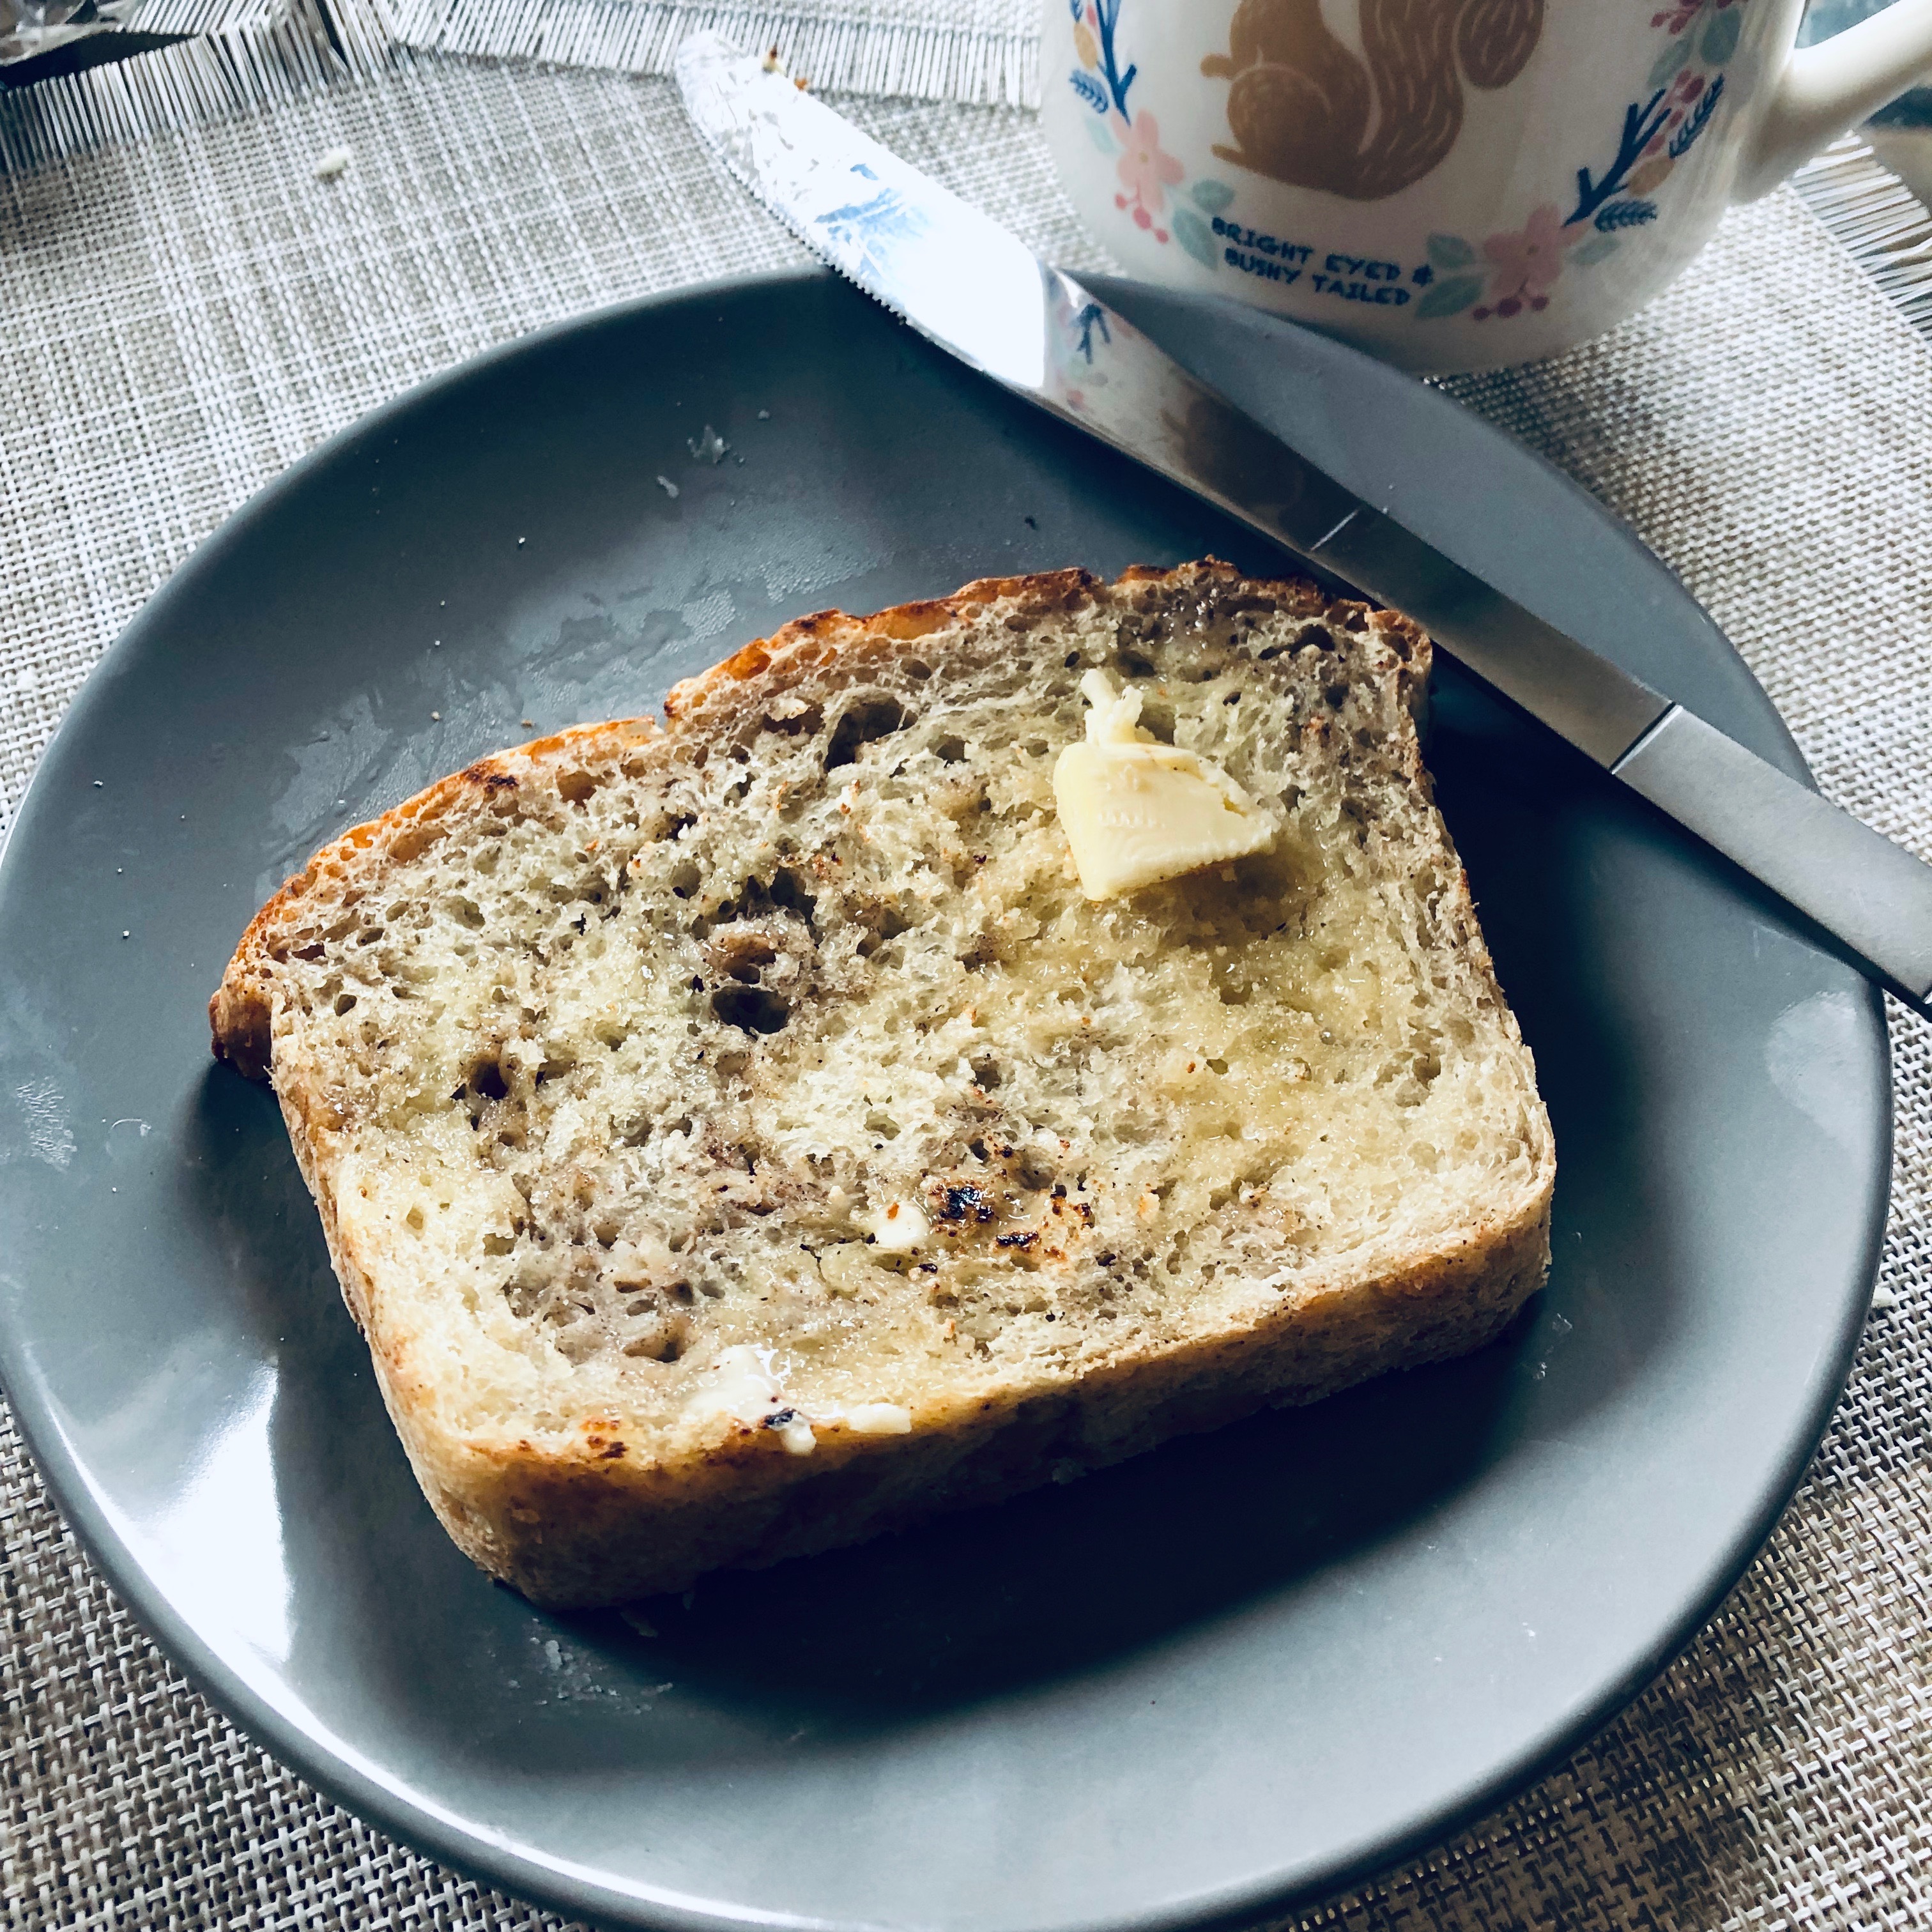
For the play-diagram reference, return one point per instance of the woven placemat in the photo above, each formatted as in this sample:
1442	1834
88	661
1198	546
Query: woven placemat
192	311
244	55
976	51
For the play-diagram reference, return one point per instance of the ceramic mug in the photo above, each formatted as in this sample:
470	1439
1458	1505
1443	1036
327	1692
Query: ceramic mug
1453	184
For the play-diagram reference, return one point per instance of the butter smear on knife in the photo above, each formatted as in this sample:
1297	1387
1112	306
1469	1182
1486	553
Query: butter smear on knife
1136	812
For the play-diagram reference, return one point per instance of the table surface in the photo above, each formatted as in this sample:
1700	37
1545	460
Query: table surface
189	308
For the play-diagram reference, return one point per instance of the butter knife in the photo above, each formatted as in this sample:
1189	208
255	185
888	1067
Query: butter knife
964	283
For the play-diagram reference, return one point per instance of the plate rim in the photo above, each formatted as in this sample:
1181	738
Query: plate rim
561	1884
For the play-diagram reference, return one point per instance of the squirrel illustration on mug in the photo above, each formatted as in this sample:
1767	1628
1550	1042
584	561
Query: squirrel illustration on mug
1301	102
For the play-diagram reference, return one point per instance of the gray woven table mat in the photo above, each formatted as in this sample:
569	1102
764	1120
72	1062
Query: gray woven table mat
979	51
188	314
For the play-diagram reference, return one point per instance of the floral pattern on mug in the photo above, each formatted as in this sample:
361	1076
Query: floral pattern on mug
1680	13
1509	273
1522	265
1098	80
1147	170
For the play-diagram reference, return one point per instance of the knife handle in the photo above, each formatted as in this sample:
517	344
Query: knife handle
1871	895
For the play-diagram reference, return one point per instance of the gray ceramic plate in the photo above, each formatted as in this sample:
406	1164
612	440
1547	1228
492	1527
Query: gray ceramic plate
1198	1685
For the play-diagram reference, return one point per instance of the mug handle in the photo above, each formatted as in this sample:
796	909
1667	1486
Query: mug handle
1825	89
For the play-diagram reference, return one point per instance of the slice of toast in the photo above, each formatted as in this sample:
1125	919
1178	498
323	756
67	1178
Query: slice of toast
740	1137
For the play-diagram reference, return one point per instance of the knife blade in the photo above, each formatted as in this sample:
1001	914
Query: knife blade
975	289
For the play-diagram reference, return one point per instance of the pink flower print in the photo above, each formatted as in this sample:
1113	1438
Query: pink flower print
1680	13
1524	265
1527	263
1146	169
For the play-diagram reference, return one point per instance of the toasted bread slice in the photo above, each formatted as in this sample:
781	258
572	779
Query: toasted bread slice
738	1137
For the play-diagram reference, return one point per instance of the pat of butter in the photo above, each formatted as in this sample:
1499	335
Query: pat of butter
878	1418
743	1385
1136	812
900	1229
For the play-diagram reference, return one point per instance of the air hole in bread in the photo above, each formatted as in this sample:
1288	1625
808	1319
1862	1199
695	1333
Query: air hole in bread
884	924
741	952
751	1009
485	1080
863	722
794	717
788	891
1157	718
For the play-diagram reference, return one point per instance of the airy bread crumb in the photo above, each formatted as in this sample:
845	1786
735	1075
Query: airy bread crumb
738	1137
